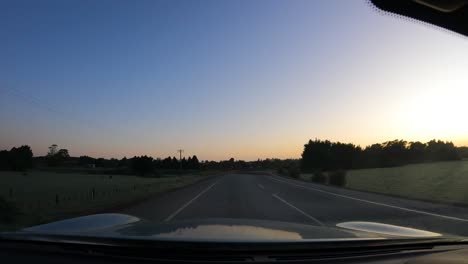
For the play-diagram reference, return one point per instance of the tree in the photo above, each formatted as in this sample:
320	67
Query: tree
166	163
16	159
86	161
123	162
326	155
316	155
57	157
195	164
142	165
63	154
21	158
462	152
342	156
4	160
372	156
52	150
157	164
175	164
438	150
417	152
395	153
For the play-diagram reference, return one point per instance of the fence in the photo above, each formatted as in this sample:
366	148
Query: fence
36	202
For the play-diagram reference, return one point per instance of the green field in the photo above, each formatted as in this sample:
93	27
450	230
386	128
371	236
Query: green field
439	181
43	196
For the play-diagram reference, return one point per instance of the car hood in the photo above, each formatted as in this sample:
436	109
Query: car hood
222	229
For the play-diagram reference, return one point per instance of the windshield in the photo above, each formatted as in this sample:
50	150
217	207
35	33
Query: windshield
273	120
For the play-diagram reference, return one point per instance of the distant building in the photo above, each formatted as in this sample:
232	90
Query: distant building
90	165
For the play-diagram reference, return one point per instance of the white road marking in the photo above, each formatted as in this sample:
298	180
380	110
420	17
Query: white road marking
261	186
297	209
169	218
375	203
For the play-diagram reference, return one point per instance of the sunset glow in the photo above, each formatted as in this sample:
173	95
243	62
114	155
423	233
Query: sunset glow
235	79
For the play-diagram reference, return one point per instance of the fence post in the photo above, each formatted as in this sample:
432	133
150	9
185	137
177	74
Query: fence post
11	192
56	199
92	194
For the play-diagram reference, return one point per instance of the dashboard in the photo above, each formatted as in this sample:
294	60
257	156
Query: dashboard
23	252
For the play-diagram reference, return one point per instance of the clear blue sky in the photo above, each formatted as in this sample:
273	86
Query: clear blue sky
221	79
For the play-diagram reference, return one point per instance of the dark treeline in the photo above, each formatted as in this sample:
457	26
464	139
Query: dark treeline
168	163
146	164
172	163
20	158
57	157
327	155
60	160
463	152
318	155
232	164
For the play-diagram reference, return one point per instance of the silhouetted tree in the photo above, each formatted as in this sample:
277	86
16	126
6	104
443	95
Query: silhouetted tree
157	164
462	152
316	155
326	155
167	163
417	152
56	157
142	165
195	164
441	151
175	163
107	163
372	156
52	150
20	158
395	153
63	154
86	161
4	160
342	156
123	162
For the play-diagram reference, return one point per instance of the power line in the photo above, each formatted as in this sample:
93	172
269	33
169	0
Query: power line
28	99
31	100
180	157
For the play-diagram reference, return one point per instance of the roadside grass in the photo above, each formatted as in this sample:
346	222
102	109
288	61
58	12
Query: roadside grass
41	196
445	182
440	181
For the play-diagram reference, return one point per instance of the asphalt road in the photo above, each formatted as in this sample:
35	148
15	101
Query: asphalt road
268	197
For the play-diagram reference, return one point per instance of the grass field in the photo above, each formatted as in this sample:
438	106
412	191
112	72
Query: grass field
43	196
439	181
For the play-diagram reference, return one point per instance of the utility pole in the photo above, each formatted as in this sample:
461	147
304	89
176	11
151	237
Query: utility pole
180	157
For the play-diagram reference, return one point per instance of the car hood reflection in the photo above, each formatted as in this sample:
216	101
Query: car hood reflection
222	229
234	232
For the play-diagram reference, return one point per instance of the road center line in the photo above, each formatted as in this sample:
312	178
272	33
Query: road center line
261	186
375	203
169	218
297	209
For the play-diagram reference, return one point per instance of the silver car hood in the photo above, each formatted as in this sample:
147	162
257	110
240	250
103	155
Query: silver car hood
222	230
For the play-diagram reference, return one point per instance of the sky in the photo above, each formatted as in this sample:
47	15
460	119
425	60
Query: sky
221	79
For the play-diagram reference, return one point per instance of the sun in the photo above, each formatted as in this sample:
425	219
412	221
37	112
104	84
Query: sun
441	114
